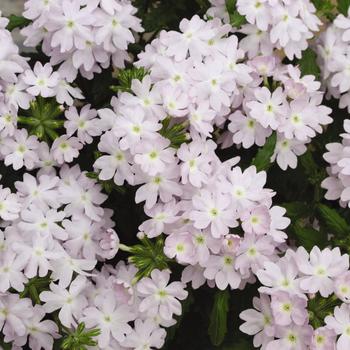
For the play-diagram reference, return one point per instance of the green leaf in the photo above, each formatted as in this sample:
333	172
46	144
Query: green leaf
147	256
79	339
333	220
236	19
125	78
34	287
308	64
17	22
314	173
343	6
308	163
308	237
262	161
296	210
43	119
319	308
3	345
325	8
175	133
218	318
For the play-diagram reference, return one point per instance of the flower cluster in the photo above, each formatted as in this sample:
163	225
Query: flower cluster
55	229
299	289
191	102
200	77
334	59
20	149
21	88
20	84
337	183
82	36
273	24
189	194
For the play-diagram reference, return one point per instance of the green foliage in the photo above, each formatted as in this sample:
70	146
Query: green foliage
43	119
310	167
336	224
17	22
262	161
308	63
218	317
3	345
108	185
325	8
79	339
125	78
296	210
147	256
176	133
320	307
34	287
236	19
314	173
308	237
343	6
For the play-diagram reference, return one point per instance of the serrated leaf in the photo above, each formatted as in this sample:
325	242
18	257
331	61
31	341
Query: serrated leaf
80	338
236	19
17	22
125	78
218	318
308	237
175	133
343	6
308	63
262	161
333	220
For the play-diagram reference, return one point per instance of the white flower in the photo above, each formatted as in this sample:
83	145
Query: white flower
112	319
85	123
42	80
159	296
145	335
153	157
9	204
320	269
36	253
70	26
11	274
132	126
63	268
222	270
116	164
13	313
213	209
269	107
340	323
65	149
44	222
20	150
41	332
70	302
